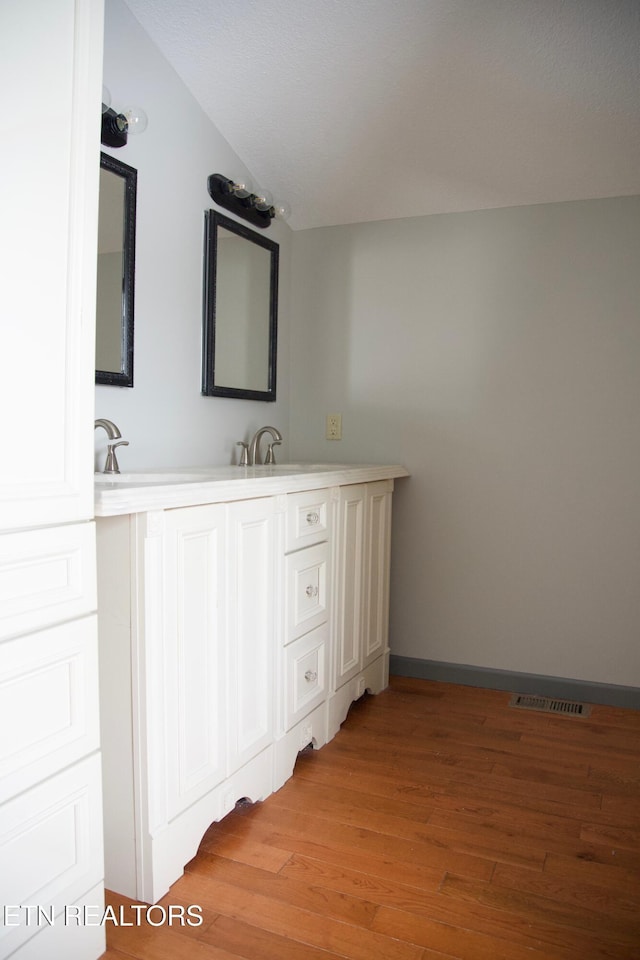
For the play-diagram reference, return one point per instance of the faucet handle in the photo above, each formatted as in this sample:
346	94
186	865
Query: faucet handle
270	458
244	456
111	464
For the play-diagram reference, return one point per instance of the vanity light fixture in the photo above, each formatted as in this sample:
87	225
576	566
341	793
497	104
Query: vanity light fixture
117	126
236	195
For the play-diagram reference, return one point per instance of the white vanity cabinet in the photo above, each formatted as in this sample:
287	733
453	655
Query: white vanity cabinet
233	633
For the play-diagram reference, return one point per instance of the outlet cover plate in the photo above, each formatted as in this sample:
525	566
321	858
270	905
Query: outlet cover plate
334	426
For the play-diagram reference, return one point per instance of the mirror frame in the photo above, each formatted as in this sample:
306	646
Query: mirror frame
210	388
124	377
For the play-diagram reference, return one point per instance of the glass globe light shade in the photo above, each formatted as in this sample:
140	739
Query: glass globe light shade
263	200
282	211
137	119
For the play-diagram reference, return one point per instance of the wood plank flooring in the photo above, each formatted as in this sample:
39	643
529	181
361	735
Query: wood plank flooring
440	823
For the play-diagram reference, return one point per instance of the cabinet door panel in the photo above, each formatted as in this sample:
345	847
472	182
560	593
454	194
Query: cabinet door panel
251	647
349	547
52	56
195	645
48	703
378	532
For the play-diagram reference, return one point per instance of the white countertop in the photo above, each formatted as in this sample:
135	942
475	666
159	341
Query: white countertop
160	489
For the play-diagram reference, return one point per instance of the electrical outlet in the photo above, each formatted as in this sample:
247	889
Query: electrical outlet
334	426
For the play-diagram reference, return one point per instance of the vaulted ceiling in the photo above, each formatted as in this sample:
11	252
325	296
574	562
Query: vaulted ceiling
355	110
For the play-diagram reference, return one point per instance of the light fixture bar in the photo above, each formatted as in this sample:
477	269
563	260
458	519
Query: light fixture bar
251	207
117	127
114	129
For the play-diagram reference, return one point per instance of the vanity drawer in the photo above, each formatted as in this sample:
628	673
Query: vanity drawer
307	586
46	576
48	702
306	675
307	519
51	851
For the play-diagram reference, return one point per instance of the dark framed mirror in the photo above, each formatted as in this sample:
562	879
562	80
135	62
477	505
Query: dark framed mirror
116	272
240	311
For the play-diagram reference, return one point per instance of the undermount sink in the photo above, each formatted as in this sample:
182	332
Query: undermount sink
204	474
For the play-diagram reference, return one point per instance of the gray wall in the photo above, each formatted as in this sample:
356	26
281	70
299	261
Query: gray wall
494	353
164	416
497	355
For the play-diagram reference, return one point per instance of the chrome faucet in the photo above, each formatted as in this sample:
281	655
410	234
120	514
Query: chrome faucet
111	463
253	454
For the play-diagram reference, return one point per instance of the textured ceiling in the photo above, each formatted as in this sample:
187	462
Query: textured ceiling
354	110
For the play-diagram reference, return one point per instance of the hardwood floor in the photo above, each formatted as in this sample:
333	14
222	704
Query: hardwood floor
440	823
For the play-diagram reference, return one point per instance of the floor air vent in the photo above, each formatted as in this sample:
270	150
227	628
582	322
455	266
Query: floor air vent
549	705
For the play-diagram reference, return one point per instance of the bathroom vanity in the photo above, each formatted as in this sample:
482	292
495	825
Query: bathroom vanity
241	611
